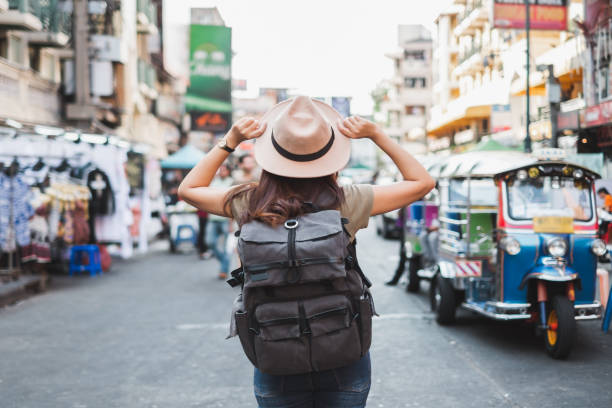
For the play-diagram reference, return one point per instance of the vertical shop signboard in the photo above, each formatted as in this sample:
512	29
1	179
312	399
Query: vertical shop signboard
342	105
544	14
209	96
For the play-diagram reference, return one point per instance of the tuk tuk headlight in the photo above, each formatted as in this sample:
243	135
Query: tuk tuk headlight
599	247
557	247
510	245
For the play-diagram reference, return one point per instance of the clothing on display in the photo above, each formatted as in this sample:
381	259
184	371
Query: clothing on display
15	211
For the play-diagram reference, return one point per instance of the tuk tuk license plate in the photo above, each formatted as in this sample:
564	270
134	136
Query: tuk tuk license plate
553	225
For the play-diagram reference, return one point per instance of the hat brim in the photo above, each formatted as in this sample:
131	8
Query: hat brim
269	159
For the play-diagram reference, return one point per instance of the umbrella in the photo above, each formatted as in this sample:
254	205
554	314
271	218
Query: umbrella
185	158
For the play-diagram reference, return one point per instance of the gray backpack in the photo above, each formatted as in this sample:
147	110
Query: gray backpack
305	302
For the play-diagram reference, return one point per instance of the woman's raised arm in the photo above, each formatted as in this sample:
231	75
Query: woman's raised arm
195	186
417	182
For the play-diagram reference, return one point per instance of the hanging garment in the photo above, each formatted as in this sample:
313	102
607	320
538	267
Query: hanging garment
14	203
102	197
39	250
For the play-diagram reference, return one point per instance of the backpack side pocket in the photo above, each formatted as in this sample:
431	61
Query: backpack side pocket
246	335
365	319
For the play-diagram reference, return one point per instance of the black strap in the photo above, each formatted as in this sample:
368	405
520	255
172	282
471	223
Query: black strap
303	157
237	277
253	269
352	263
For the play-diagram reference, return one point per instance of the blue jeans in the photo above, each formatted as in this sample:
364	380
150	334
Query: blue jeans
345	387
216	233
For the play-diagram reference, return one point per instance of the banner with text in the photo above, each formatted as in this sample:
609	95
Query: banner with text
209	96
543	14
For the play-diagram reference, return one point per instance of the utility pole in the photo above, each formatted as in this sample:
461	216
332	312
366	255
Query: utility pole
81	110
527	142
553	93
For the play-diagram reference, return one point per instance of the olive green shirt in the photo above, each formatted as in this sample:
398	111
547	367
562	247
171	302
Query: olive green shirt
358	201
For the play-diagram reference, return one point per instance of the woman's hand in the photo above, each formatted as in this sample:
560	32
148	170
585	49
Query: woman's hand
357	127
245	129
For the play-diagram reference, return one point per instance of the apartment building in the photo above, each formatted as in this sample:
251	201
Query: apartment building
34	37
478	72
408	99
95	67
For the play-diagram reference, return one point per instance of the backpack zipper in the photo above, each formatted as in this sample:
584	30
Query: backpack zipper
292	272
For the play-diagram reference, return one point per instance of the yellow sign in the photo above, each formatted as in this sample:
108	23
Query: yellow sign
553	225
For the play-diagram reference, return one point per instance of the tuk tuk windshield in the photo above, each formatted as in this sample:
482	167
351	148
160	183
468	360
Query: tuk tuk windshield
482	192
549	196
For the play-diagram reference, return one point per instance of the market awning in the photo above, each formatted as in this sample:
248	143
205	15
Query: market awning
464	118
185	158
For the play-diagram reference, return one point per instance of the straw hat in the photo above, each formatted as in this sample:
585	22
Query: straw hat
302	140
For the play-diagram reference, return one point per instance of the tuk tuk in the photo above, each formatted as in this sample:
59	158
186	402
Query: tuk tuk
518	241
421	238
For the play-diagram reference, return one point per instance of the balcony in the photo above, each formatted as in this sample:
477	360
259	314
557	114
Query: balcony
146	18
473	17
47	24
469	61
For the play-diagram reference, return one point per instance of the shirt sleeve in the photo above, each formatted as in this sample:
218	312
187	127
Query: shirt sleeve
358	202
608	202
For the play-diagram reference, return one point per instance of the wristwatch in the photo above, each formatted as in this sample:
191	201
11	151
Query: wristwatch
223	145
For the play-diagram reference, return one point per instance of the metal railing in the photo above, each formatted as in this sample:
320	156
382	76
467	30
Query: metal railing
475	49
471	6
49	13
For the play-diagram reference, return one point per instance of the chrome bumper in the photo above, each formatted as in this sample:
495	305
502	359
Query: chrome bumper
501	310
590	311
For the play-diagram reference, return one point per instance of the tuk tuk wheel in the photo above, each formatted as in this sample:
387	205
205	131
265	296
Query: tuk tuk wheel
561	331
414	282
442	298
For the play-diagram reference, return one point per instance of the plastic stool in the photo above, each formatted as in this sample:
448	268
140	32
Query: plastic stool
192	238
76	259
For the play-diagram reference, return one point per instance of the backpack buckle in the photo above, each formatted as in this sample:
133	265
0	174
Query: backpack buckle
291	224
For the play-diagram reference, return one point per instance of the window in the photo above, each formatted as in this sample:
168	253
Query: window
418	55
549	196
414	110
414	82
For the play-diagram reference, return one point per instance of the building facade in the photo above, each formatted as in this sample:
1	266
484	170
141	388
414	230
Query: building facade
479	76
408	96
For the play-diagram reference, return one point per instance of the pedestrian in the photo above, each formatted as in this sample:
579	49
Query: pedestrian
302	145
606	198
247	171
203	250
217	228
401	266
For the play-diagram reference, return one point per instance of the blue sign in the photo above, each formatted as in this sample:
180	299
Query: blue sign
342	105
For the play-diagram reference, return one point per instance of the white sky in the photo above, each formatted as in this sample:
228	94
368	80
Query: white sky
314	47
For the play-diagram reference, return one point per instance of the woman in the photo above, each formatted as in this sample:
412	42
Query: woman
301	145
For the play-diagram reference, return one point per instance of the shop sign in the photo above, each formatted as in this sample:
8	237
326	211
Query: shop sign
465	136
604	137
544	14
598	114
208	97
501	118
568	120
438	144
342	105
211	121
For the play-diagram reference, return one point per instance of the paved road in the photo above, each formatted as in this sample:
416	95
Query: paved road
151	334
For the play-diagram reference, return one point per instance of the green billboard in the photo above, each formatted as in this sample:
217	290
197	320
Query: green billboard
209	96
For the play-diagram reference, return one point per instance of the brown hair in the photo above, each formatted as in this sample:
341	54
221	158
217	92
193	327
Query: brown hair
275	199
